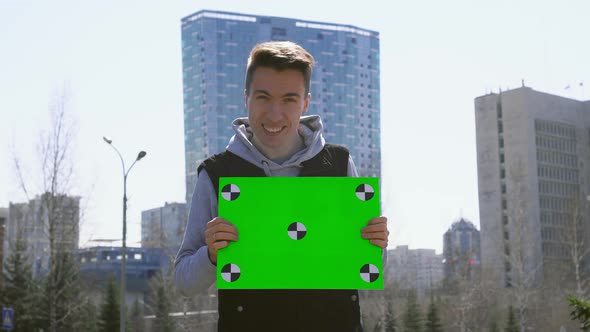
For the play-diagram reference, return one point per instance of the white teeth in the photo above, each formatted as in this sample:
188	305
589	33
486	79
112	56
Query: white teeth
273	130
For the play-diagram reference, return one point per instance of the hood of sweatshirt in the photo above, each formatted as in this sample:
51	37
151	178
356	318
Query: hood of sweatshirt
310	129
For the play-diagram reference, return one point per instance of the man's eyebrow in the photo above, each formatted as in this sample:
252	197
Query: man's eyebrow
291	94
288	94
264	92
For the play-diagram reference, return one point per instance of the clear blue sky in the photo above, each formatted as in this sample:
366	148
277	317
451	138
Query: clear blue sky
121	62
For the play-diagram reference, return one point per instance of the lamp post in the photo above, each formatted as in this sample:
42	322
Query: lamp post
124	253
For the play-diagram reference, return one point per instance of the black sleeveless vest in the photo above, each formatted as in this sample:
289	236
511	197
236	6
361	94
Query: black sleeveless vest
305	310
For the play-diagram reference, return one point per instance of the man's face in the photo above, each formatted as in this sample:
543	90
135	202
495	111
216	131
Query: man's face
276	101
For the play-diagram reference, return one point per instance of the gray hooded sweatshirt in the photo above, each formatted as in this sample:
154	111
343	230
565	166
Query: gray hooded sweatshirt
194	272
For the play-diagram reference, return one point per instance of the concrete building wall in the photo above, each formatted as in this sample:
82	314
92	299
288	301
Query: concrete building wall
419	269
29	221
528	143
163	227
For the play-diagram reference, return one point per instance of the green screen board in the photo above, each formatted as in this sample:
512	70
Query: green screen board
299	233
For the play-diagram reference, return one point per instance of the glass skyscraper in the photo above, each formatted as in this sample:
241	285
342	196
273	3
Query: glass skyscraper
345	82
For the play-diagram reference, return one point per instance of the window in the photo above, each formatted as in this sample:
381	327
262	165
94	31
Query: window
279	32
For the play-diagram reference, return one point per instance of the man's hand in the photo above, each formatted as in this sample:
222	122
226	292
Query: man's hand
376	232
217	236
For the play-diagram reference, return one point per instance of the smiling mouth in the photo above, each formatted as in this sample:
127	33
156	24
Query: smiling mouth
273	130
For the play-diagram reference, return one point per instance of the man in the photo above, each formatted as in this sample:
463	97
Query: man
274	140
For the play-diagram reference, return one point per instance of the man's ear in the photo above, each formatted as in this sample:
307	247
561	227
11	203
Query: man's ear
246	99
306	102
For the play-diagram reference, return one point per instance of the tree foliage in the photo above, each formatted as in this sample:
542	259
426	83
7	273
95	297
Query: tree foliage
580	312
390	321
493	327
433	323
412	316
163	320
57	214
109	318
20	290
88	319
511	323
136	321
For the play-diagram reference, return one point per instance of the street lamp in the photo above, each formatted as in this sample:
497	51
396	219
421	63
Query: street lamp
124	254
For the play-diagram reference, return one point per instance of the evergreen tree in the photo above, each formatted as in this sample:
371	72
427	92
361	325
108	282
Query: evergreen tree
69	302
109	313
20	291
412	317
136	321
511	324
433	323
493	327
87	318
390	323
163	320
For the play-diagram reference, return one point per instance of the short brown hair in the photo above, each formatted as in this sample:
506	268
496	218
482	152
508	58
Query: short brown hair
280	55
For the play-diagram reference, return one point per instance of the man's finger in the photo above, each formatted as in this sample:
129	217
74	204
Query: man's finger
379	243
220	236
216	221
378	220
374	228
225	227
375	235
220	245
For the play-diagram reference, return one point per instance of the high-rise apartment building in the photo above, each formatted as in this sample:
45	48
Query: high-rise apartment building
461	251
163	227
345	82
533	154
419	269
31	222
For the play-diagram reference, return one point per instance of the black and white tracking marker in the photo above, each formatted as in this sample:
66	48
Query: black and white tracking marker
230	192
230	272
365	192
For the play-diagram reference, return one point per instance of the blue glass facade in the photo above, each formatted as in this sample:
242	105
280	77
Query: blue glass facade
345	84
98	264
461	251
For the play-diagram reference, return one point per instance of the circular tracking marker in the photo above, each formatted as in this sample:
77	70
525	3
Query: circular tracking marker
297	231
230	272
365	192
369	273
230	192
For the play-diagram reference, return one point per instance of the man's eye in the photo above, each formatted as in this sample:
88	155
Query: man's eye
261	97
289	100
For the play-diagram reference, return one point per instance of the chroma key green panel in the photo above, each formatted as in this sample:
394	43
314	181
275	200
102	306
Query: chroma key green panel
299	233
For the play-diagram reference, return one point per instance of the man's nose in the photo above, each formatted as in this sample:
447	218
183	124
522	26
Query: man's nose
275	111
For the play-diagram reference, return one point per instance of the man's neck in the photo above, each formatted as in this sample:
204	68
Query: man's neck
281	155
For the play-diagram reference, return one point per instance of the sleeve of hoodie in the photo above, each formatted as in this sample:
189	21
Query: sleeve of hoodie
352	172
194	273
